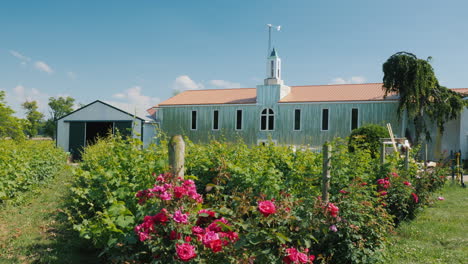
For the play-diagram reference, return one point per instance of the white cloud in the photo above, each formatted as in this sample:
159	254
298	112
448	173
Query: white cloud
358	79
119	96
184	82
20	56
352	80
71	75
133	101
338	81
42	66
224	84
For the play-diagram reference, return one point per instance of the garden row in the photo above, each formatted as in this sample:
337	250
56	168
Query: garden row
241	204
26	164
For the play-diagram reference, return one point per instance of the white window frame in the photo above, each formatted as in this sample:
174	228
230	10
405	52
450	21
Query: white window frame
267	115
321	120
300	119
213	121
196	120
351	120
242	120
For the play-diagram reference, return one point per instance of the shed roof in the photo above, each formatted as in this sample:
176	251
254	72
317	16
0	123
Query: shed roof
100	102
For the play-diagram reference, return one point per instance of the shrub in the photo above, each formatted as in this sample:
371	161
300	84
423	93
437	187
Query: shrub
102	206
367	137
26	164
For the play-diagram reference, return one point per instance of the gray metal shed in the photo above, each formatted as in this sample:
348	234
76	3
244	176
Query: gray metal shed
83	126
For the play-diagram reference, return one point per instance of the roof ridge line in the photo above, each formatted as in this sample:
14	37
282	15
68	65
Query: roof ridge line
197	90
339	84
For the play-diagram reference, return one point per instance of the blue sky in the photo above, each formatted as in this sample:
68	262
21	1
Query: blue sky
134	54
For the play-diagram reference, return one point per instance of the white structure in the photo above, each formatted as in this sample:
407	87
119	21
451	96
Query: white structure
97	119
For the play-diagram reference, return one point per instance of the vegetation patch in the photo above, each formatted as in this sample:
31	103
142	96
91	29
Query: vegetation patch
437	235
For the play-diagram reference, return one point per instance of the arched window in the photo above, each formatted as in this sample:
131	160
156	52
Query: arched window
267	119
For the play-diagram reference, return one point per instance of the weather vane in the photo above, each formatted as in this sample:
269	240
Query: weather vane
278	28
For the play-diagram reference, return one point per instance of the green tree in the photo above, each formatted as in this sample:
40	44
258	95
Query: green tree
10	126
58	107
421	97
33	118
367	137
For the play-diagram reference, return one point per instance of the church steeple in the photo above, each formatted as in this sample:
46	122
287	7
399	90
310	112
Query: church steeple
273	69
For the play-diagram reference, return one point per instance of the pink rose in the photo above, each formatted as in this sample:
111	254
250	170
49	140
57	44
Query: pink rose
383	193
180	217
292	256
302	257
407	183
266	207
415	197
185	251
211	240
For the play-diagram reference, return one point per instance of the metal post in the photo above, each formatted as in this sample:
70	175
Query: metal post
326	172
177	156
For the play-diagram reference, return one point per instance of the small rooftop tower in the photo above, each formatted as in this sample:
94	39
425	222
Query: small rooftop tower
273	69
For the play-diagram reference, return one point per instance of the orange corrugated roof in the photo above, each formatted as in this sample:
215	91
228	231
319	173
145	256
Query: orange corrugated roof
308	93
336	93
460	90
214	96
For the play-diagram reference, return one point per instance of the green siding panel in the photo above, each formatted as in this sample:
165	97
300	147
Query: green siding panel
176	120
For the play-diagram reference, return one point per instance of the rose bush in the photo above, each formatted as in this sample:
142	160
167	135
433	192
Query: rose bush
256	204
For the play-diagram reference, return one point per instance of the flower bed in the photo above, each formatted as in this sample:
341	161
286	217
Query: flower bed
243	205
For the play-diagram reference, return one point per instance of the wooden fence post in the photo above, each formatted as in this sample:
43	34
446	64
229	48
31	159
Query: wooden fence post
382	151
407	158
326	172
177	155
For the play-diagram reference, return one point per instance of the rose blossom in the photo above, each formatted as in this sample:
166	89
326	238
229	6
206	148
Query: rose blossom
211	240
383	193
185	251
302	257
292	256
333	209
333	228
180	217
440	198
266	207
415	197
407	183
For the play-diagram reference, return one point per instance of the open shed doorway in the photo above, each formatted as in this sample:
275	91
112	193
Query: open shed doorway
84	133
95	130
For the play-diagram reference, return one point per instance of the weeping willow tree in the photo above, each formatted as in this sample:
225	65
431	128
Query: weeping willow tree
424	101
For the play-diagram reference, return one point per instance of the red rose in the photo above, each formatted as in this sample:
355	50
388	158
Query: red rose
185	251
333	209
415	197
266	207
407	183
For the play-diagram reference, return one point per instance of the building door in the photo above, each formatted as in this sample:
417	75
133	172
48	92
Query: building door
124	128
76	139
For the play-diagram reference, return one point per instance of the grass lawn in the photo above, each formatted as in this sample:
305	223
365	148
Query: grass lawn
37	231
438	235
